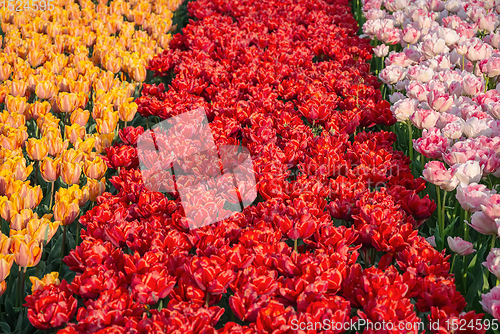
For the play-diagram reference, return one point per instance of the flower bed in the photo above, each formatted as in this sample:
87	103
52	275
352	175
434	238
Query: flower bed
443	73
332	236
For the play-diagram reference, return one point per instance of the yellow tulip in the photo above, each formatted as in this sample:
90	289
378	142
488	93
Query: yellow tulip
48	279
95	169
50	169
37	149
66	211
26	254
6	262
70	172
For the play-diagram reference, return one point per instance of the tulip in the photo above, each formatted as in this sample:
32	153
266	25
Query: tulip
67	102
6	262
95	169
48	279
42	230
26	253
3	287
472	196
20	220
45	90
50	169
73	193
460	246
74	132
8	208
66	211
39	108
5	71
96	188
37	149
16	104
86	146
483	224
491	302
72	155
469	172
18	88
80	117
127	111
424	119
392	74
491	207
56	143
70	172
435	173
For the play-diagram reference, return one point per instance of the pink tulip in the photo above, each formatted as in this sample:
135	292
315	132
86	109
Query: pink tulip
381	51
491	302
469	172
493	262
420	73
471	196
437	174
491	208
432	144
417	91
439	101
453	130
493	67
460	246
403	109
432	241
483	224
477	50
398	58
493	108
488	22
392	74
476	127
433	46
472	85
424	119
411	35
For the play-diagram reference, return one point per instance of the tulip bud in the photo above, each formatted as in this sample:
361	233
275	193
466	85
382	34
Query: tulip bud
16	104
72	155
5	72
42	230
39	108
70	172
18	87
45	90
139	73
56	144
86	145
20	220
37	149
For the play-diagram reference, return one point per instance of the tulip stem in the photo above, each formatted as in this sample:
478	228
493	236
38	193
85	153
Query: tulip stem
466	229
207	299
77	238
63	241
19	288
453	263
443	208
440	222
51	195
295	244
410	140
36	171
125	125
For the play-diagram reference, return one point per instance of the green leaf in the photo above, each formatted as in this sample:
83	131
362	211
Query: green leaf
474	290
450	226
5	327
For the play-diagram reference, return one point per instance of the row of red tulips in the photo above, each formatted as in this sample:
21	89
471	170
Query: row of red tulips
333	233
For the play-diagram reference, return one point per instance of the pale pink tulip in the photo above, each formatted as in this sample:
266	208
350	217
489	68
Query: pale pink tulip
468	172
438	101
483	224
472	196
472	85
492	262
475	127
411	35
436	173
392	74
433	46
460	246
491	208
403	109
381	51
424	119
453	130
491	302
493	67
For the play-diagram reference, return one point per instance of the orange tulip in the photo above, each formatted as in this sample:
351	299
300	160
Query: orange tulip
72	194
45	90
37	149
30	196
18	168
5	244
107	123
8	208
26	254
67	102
6	262
127	111
96	188
20	220
42	230
14	187
86	146
66	211
18	87
3	287
16	104
74	132
5	71
95	169
50	169
48	279
56	144
103	141
72	155
36	57
70	172
39	108
48	122
138	73
112	63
